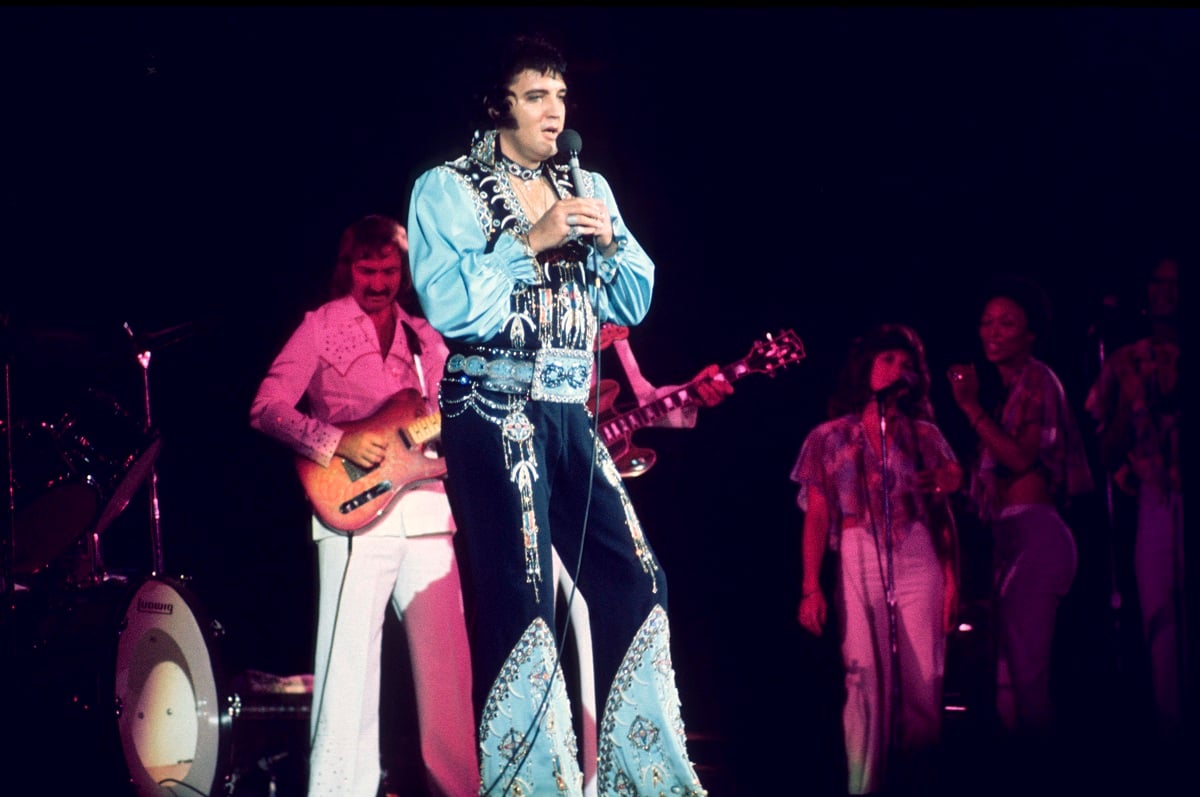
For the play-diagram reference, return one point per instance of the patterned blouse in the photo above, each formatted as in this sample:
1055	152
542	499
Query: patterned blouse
1036	397
1144	376
836	455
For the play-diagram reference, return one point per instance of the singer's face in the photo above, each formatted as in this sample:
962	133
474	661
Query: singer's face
1004	332
1163	291
374	282
539	106
888	366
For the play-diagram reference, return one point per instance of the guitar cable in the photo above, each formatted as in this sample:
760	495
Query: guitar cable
534	729
337	613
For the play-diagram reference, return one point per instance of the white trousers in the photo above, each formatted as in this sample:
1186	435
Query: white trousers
418	577
867	656
1158	567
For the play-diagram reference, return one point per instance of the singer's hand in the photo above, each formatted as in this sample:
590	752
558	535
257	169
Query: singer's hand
939	481
964	384
571	218
811	612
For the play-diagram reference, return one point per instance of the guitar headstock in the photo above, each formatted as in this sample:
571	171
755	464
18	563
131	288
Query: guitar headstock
775	352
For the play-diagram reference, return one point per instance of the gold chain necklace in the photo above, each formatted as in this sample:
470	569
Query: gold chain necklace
533	211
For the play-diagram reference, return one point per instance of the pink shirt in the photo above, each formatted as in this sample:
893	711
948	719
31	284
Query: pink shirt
333	362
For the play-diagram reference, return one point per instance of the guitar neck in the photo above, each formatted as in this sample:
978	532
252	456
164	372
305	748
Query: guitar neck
627	423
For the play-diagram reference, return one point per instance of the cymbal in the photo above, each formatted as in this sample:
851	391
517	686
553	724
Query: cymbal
158	340
112	342
45	343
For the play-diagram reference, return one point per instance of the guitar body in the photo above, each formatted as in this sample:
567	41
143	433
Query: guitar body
349	498
630	460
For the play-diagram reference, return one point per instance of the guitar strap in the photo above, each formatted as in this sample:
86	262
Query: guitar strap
414	348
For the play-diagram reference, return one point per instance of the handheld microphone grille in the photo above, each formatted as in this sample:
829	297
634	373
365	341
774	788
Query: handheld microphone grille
569	141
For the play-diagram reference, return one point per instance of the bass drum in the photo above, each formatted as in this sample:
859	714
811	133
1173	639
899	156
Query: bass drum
183	727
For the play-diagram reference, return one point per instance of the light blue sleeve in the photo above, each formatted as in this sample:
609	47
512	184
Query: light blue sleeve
627	278
464	290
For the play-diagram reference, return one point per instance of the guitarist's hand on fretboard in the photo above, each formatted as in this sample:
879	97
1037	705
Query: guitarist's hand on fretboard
711	386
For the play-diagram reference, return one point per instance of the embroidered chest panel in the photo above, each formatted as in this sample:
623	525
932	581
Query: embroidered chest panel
555	311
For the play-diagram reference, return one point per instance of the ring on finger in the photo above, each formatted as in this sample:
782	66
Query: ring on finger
572	219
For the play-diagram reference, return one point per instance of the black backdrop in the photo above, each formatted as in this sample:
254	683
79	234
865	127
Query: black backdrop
188	172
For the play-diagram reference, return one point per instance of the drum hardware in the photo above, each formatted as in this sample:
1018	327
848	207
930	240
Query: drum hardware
142	352
75	474
72	476
143	347
6	540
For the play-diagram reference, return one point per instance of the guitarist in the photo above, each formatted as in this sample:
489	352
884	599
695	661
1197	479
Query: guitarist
711	390
344	362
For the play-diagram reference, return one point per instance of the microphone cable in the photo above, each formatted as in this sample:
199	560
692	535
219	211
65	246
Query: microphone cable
534	728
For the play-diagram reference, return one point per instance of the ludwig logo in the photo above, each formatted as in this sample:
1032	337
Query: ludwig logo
155	607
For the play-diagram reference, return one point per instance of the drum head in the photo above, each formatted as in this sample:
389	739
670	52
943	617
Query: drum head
171	712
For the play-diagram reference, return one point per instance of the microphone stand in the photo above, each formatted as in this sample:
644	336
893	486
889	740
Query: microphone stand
889	587
1115	599
10	518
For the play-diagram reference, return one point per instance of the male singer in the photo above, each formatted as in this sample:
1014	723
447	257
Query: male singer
516	265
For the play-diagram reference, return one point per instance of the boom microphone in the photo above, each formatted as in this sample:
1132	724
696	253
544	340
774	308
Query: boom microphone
570	142
904	383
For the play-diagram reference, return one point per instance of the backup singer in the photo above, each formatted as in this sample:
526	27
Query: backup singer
901	540
1030	460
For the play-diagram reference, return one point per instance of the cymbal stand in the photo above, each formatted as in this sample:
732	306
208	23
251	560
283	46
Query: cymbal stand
10	522
142	352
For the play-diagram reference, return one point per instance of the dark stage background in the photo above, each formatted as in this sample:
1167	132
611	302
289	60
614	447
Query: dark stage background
188	172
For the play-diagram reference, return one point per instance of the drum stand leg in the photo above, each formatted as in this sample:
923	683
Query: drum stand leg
155	524
99	573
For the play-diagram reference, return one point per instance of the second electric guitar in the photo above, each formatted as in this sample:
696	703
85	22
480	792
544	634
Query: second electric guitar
616	429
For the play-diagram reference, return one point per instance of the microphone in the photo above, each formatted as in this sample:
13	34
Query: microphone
904	383
570	142
1107	315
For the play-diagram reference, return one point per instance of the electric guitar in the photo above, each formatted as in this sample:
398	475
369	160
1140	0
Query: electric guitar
765	357
347	497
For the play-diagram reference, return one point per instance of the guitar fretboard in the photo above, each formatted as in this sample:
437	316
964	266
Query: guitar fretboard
423	429
627	423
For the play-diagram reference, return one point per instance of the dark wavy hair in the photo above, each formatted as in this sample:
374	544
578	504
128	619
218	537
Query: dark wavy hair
372	237
1027	294
533	52
854	383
